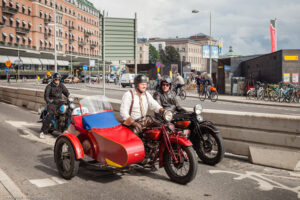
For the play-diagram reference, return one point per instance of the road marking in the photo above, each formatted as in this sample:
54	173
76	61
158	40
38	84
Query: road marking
30	134
265	184
11	187
47	182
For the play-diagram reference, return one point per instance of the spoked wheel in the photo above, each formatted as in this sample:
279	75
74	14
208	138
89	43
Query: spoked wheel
65	158
211	148
202	95
182	95
214	96
183	171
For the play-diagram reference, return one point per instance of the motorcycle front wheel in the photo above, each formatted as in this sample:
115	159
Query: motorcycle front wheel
210	148
183	171
65	158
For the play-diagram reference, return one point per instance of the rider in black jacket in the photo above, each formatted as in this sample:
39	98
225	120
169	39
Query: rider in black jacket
166	98
53	96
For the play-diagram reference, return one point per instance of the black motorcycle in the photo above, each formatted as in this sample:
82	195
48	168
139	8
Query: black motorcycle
62	119
207	141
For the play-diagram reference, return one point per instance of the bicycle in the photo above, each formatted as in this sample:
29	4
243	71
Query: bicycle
181	93
212	93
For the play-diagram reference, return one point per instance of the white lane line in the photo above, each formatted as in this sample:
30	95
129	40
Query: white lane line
47	182
11	187
29	134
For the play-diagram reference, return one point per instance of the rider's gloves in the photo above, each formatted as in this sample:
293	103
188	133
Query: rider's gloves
137	127
161	111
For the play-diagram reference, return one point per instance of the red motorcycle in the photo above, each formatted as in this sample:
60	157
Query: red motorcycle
94	132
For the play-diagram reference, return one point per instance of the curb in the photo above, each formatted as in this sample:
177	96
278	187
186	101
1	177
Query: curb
225	100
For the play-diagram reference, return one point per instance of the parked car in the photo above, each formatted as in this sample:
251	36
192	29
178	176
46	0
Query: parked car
70	79
94	78
111	78
63	78
127	80
84	78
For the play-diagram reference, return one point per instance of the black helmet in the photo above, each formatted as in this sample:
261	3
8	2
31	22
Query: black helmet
140	79
56	76
166	80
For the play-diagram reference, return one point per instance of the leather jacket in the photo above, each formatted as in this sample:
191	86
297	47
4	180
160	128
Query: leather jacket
168	101
53	93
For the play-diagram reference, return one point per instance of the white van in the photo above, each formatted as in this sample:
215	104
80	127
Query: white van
127	80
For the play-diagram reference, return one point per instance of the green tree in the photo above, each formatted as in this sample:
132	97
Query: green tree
153	55
163	56
172	55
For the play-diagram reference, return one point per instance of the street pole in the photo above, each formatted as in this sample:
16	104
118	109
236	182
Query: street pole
19	62
103	51
71	64
181	65
210	60
55	53
135	43
90	64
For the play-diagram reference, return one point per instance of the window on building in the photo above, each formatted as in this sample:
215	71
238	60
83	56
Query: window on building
40	27
3	36
17	38
17	6
66	10
51	3
29	25
41	43
141	48
11	4
29	10
24	24
24	40
3	3
11	20
41	14
183	58
23	9
11	38
17	22
183	49
46	2
141	55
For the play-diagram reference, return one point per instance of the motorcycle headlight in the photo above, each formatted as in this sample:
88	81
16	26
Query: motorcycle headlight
198	109
168	115
72	106
199	118
71	98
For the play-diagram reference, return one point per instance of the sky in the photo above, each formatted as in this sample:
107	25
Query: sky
244	25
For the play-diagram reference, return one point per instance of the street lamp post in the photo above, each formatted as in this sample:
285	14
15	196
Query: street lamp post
55	53
210	58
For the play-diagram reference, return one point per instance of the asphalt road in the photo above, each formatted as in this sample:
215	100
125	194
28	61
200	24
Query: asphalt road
189	102
29	162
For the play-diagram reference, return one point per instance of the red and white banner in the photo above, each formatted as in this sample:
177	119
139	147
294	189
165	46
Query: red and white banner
273	35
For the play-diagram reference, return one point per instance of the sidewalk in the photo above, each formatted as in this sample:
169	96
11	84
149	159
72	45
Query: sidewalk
225	98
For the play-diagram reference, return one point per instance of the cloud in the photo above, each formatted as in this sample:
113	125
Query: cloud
242	24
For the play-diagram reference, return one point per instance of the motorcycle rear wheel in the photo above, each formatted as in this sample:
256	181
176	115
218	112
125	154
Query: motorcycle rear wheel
206	148
172	169
65	158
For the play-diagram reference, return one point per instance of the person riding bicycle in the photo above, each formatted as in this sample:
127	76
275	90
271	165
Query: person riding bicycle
180	82
135	104
207	82
53	96
166	97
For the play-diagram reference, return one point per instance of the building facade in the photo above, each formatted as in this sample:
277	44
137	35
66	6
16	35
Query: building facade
190	49
27	28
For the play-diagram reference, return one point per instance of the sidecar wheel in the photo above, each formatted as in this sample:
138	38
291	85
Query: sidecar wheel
211	149
175	170
65	158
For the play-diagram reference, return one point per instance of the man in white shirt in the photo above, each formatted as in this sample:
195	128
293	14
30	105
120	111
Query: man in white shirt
135	103
180	82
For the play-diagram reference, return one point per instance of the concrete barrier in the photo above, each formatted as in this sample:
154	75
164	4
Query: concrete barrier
267	139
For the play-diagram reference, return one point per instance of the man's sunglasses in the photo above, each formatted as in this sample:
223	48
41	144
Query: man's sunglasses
168	85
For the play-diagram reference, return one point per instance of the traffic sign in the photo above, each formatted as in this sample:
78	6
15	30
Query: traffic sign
158	64
8	63
84	67
6	70
18	62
